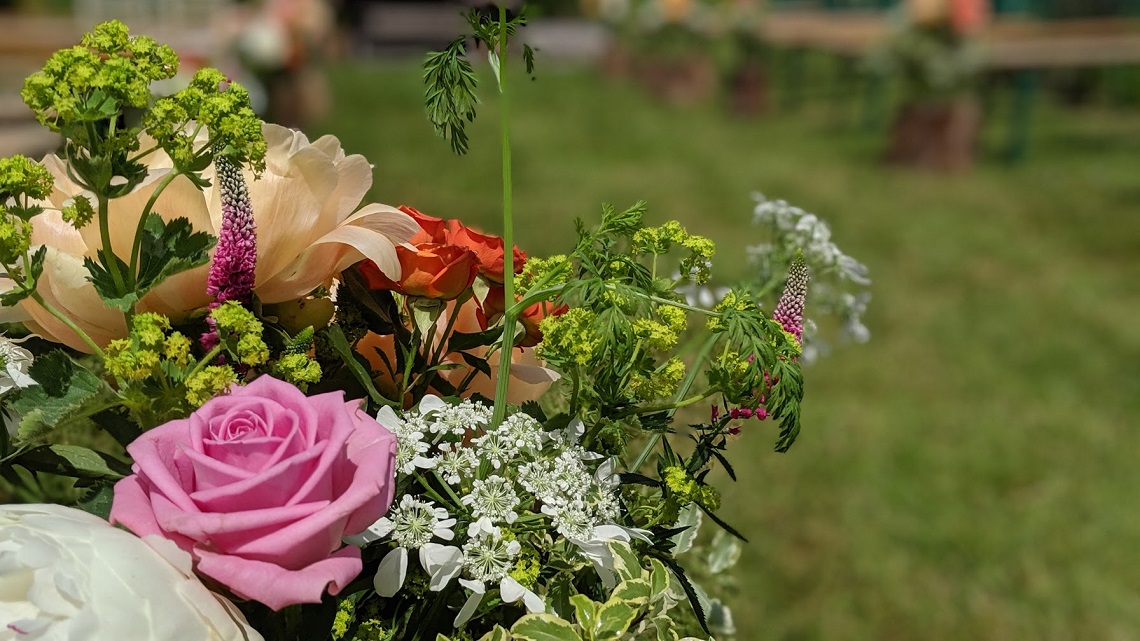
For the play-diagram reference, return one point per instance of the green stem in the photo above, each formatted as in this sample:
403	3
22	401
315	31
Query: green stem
206	360
686	384
510	315
109	252
146	214
95	349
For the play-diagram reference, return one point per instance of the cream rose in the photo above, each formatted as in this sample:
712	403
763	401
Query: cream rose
65	574
308	230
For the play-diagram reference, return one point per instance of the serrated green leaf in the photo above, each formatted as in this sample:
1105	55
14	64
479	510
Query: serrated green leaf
15	295
66	392
100	276
169	248
544	627
614	619
690	518
586	613
98	500
75	461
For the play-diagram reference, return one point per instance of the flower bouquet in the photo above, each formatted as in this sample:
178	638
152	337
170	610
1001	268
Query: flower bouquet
282	414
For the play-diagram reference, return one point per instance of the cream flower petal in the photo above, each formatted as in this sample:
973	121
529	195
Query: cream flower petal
64	285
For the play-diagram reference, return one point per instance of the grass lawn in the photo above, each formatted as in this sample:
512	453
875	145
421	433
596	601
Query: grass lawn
969	474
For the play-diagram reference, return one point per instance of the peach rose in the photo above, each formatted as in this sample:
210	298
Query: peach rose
308	231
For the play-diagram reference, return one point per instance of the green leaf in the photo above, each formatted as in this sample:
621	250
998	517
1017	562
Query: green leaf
690	518
544	627
614	618
658	579
74	460
626	562
17	294
449	93
724	554
100	276
98	500
169	248
66	392
462	341
346	353
586	613
498	633
633	591
477	363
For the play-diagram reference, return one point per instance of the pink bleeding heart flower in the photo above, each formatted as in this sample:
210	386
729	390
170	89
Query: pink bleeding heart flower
260	486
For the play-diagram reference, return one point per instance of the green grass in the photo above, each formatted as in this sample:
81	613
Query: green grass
969	474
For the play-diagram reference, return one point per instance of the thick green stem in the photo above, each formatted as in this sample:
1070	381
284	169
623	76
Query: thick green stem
510	315
146	214
95	349
109	252
686	384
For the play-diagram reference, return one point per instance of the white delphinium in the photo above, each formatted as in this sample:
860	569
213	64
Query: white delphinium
412	525
15	361
411	446
488	558
494	498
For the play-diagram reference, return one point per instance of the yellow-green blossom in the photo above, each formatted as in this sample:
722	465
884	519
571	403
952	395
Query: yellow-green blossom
569	338
343	619
656	336
527	568
297	369
124	360
208	383
150	328
15	238
554	271
177	349
78	211
661	383
673	317
22	176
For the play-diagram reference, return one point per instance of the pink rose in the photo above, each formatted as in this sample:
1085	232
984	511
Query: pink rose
260	486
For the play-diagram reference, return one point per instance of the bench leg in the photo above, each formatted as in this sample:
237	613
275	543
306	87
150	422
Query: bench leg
1025	88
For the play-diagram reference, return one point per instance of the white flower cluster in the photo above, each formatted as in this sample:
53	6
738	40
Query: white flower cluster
794	229
494	484
15	361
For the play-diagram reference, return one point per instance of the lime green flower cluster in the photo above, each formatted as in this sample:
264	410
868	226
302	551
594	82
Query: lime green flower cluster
685	489
295	365
734	301
547	271
91	81
15	237
527	568
370	629
660	240
78	212
240	331
570	338
209	382
654	335
661	383
141	354
221	106
21	176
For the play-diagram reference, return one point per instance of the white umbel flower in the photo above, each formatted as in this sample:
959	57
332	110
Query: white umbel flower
410	443
494	498
65	574
488	558
412	525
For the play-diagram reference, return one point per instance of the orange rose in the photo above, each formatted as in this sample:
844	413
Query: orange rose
489	249
432	229
431	270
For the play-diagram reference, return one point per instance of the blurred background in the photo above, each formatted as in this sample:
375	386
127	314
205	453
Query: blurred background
971	471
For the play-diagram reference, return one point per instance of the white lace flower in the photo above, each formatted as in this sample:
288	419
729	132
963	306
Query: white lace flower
455	462
572	519
496	448
412	525
523	431
410	443
460	419
488	558
494	498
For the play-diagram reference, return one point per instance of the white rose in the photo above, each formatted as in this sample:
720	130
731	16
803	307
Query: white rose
66	574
